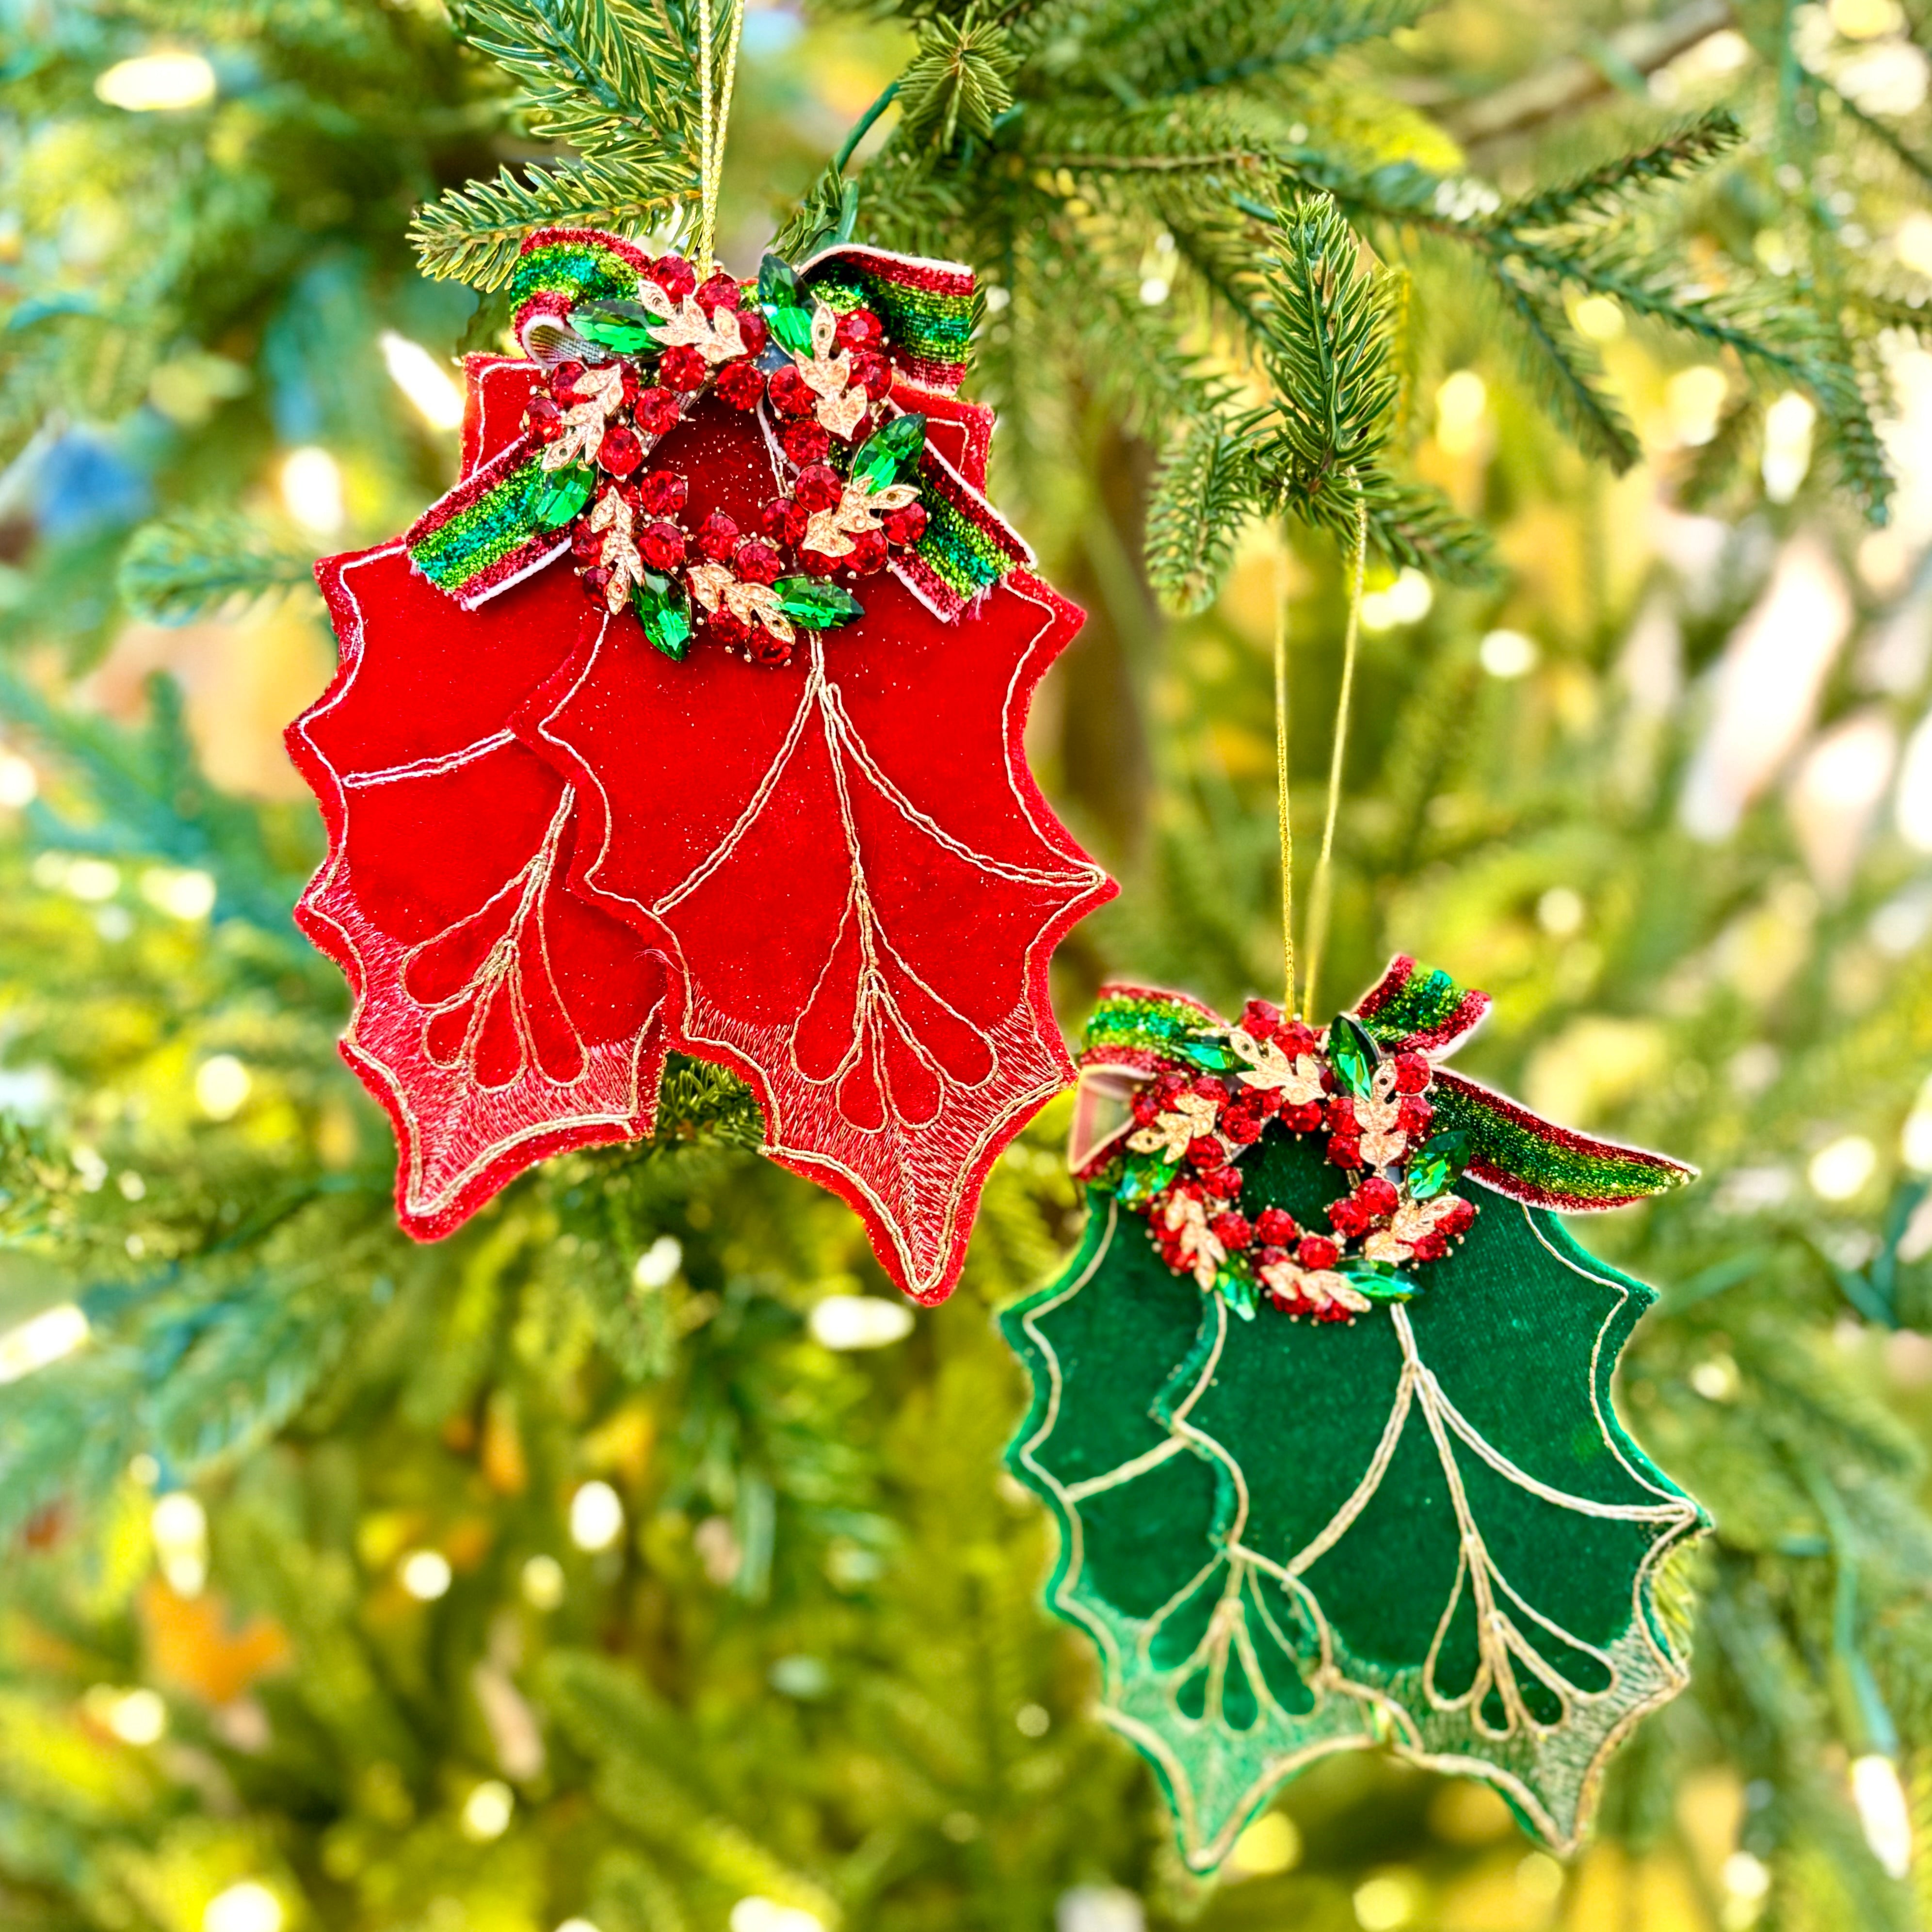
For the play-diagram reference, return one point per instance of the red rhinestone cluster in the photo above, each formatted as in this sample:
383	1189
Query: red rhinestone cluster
653	400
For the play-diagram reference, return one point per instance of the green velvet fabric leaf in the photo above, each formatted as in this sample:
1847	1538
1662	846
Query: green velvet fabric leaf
1424	1528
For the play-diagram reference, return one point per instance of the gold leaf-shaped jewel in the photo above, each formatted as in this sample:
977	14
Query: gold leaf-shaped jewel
709	583
842	414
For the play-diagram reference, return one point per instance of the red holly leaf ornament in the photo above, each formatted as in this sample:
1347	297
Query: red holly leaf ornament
498	1018
555	851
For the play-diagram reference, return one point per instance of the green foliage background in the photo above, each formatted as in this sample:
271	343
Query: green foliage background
812	1669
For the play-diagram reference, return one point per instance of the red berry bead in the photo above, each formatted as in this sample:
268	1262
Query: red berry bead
756	562
595	581
1268	1101
1225	1183
654	411
620	452
753	331
660	493
772	652
717	537
719	291
1169	1087
728	627
1206	1152
1145	1106
661	546
543	419
682	368
1295	1039
791	394
741	385
818	564
1341	1115
587	545
1348	1217
1261	1019
859	328
872	372
818	487
1429	1246
868	552
1411	1073
1345	1149
1460	1219
784	521
805	442
1317	1251
1242	1124
905	526
563	382
1276	1225
1378	1197
1235	1230
1305	1119
1413	1114
674	275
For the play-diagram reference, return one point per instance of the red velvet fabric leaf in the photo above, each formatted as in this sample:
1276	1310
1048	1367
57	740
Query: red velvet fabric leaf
848	858
498	1018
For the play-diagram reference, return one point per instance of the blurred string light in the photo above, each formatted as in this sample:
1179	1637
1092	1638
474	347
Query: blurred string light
221	1084
425	1574
1270	1845
250	1906
19	783
1599	318
1560	912
432	391
1912	242
1913	806
1508	654
755	1914
188	894
658	1264
92	880
178	1525
577	1925
543	1583
1385	1902
1882	1811
1099	1908
162	79
1837	794
1915	1137
137	1717
859	1321
486	1811
1695	399
41	1338
596	1516
311	487
1765	688
1840	1169
1462	403
1406	601
1788	424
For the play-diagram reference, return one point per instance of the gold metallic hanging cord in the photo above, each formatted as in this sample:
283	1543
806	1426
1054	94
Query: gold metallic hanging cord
711	126
1281	586
1323	890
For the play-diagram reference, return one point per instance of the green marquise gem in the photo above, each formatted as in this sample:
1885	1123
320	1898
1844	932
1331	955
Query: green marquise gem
1206	1052
663	609
1237	1291
1436	1164
886	455
1380	1281
817	605
1353	1054
1142	1177
624	326
563	492
786	303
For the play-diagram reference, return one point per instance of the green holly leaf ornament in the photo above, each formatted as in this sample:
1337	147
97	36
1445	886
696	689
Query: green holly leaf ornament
1294	1523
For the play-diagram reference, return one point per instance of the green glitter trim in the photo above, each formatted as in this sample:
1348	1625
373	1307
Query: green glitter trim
581	270
481	535
1533	1160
